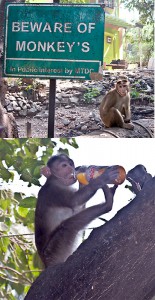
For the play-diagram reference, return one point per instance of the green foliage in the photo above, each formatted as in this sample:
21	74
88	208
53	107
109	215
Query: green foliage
90	94
145	35
19	263
134	93
134	37
144	7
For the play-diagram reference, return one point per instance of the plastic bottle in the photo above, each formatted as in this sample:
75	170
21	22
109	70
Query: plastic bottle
85	175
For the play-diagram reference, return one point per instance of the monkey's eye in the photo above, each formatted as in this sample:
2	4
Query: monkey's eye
64	165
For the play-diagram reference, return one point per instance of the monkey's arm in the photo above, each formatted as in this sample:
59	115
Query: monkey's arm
107	102
127	110
85	193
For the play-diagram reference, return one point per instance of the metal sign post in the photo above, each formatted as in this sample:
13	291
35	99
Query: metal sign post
53	41
51	115
52	97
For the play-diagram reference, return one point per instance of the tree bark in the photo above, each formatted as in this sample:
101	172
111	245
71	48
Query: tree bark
3	87
116	262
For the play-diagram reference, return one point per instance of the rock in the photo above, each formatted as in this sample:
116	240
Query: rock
10	108
74	100
66	122
92	115
14	103
28	106
17	108
84	128
7	102
12	98
32	111
99	99
23	113
70	94
68	106
78	126
64	95
93	128
59	96
97	118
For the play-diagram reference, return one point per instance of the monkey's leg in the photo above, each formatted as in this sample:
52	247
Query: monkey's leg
115	118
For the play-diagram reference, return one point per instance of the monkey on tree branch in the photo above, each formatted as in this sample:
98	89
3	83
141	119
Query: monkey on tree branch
60	211
115	106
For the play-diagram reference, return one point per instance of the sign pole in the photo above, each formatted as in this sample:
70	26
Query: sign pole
51	113
52	96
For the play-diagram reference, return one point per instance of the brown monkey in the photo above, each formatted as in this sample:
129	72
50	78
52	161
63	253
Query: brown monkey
60	211
115	106
8	123
138	177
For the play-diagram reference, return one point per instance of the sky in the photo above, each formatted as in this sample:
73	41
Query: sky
129	16
104	152
114	151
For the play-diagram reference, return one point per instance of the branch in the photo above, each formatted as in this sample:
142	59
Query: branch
117	261
16	272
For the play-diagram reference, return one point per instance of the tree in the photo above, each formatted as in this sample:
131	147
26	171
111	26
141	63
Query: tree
132	38
144	7
116	262
19	263
2	14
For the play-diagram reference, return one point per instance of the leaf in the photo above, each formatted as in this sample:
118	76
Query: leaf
18	196
5	174
28	202
5	203
23	211
19	288
26	175
29	218
3	226
4	243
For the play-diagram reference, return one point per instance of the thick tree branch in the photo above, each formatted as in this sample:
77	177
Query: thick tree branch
116	262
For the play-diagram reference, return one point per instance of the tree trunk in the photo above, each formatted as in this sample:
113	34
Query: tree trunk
2	14
117	261
2	11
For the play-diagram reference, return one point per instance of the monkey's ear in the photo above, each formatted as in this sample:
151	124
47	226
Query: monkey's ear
45	171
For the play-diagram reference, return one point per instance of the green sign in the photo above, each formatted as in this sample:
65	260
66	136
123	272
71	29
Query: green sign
53	41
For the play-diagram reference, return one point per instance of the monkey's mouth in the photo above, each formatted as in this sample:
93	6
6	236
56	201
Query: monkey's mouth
72	176
132	181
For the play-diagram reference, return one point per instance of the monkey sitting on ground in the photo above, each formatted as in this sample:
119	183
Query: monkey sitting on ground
8	123
60	211
115	106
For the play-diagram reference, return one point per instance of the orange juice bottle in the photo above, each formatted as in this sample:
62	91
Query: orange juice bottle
85	175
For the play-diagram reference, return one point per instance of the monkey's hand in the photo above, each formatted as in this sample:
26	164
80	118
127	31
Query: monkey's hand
108	177
109	197
127	120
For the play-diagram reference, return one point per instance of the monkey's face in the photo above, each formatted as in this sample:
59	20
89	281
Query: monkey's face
138	175
122	88
64	171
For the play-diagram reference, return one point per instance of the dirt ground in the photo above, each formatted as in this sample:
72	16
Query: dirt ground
80	115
